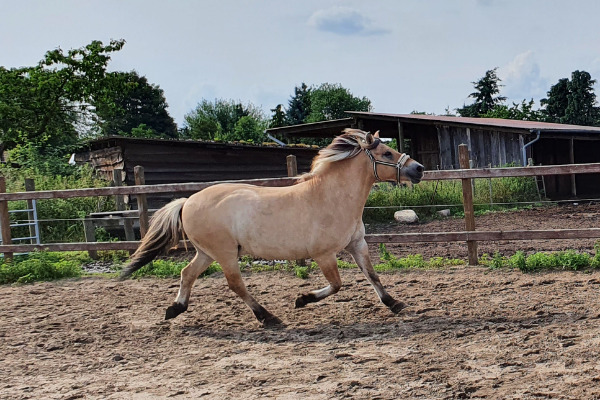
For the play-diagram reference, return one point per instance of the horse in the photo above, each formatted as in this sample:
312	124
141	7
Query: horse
228	220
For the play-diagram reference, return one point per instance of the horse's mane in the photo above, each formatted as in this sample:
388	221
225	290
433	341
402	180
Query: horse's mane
342	147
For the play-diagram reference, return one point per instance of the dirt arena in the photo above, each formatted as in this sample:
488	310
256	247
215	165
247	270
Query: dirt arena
469	332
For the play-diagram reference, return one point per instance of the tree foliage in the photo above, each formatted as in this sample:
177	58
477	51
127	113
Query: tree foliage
523	111
127	101
278	117
220	120
50	102
572	101
486	96
298	105
331	101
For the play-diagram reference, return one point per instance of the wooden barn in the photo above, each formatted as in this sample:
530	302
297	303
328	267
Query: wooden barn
434	140
172	161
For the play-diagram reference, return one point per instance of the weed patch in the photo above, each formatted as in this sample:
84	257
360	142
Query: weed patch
42	266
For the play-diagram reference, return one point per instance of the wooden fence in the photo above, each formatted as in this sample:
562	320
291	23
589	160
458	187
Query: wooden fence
470	235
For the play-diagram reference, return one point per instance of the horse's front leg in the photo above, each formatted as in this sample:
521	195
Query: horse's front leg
328	265
360	252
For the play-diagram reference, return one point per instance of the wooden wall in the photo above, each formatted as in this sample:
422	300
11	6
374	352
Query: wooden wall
178	162
487	147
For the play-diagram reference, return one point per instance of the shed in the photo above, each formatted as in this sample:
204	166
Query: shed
433	141
180	161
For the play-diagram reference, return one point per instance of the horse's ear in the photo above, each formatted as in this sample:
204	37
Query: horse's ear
376	135
369	139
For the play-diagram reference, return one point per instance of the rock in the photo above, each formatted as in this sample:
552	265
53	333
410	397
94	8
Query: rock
444	213
406	216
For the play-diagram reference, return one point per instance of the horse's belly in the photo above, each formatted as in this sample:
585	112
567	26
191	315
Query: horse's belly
291	245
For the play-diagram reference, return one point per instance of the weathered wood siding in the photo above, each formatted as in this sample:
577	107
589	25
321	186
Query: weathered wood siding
487	147
182	161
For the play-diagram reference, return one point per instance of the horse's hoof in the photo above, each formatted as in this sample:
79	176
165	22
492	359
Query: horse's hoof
272	321
174	310
304	299
397	307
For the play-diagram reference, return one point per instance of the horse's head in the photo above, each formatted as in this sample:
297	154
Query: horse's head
390	165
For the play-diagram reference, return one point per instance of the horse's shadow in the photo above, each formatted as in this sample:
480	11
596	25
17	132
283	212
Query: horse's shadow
390	329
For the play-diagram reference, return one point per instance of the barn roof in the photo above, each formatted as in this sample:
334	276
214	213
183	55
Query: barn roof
332	128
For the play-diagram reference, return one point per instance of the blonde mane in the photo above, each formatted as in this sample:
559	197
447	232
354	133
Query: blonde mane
345	146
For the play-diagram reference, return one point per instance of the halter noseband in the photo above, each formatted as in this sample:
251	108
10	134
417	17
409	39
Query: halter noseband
401	161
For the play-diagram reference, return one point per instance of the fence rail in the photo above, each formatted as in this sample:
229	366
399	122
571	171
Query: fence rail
469	235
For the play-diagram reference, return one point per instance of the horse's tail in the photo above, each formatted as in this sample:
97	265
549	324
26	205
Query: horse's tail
164	233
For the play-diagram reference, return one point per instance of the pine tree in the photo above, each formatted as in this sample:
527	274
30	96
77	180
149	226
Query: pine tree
485	95
299	105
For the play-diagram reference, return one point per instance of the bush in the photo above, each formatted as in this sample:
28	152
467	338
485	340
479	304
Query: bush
518	261
570	259
58	217
42	266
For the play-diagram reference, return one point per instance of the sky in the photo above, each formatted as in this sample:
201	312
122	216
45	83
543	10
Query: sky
404	55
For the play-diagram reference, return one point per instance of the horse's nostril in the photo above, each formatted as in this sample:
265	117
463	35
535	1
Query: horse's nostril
420	168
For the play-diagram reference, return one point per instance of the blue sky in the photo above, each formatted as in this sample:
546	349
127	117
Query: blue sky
403	55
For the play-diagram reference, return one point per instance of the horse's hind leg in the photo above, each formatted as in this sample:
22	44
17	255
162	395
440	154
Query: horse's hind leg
189	274
231	269
360	251
328	265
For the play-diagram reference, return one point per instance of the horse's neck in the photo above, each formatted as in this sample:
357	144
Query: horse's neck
345	182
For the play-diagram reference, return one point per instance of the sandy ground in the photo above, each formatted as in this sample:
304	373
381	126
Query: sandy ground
469	332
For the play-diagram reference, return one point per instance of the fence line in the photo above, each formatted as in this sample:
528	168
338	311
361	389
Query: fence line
470	236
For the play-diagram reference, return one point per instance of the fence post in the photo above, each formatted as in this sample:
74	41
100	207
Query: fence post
467	188
292	165
120	206
33	229
89	230
142	202
118	181
292	170
5	220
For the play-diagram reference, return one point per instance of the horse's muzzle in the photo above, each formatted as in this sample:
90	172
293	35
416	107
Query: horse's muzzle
414	171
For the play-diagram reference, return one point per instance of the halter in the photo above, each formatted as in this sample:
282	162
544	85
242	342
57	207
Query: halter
401	161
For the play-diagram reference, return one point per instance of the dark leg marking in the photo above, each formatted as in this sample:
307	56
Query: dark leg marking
265	317
174	310
304	299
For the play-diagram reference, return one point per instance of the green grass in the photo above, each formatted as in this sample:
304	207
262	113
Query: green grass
391	262
541	261
426	196
46	266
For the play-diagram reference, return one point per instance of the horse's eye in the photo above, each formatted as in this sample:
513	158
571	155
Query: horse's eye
387	154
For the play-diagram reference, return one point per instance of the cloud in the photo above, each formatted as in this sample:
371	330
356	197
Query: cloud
344	21
522	78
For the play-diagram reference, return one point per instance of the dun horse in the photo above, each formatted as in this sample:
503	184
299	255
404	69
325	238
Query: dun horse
226	221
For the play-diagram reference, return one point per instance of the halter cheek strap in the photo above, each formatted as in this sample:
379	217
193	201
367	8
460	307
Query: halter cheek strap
401	161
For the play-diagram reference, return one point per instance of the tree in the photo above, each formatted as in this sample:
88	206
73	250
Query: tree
555	105
572	101
485	95
217	120
331	101
581	107
127	101
523	111
50	104
298	105
248	129
278	118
